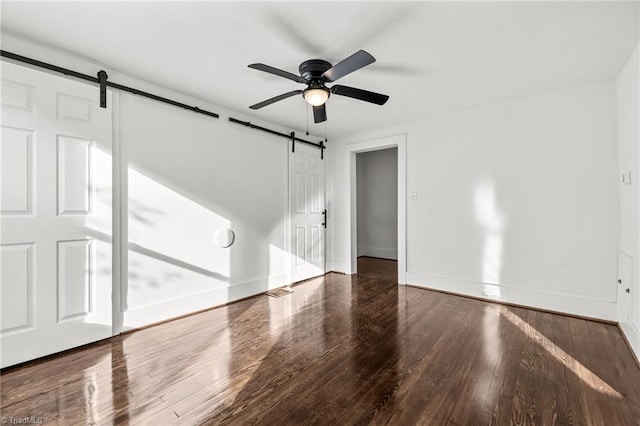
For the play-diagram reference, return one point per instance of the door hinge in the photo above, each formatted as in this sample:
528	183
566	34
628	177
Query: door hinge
324	218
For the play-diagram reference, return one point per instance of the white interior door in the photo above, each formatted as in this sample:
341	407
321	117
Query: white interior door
306	201
55	215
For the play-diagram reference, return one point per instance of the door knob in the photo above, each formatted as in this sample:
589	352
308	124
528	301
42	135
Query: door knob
628	290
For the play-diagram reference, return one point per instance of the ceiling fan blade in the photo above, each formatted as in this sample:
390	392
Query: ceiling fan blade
275	99
278	72
320	113
354	62
363	95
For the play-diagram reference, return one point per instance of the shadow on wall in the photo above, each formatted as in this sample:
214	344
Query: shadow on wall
171	246
172	253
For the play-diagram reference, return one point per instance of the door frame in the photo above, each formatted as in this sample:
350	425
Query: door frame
396	141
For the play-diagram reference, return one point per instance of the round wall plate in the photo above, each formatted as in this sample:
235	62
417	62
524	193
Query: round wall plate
225	237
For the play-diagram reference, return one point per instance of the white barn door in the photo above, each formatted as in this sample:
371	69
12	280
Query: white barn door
306	201
55	215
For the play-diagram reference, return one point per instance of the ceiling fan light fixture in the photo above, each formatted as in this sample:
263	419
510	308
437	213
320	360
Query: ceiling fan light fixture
316	97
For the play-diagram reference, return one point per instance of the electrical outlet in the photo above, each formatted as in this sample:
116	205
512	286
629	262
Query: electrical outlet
626	177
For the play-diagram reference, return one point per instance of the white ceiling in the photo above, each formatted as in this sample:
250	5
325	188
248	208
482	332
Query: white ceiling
432	57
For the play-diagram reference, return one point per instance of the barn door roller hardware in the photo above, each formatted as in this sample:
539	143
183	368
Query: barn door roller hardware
292	136
102	81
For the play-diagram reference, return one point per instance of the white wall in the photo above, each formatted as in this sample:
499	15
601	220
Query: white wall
628	91
377	209
188	176
516	201
184	176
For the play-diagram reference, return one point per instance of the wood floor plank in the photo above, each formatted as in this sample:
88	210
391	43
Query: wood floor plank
341	350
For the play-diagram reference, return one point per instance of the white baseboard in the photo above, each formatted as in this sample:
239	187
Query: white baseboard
558	302
337	266
633	337
166	310
276	281
382	253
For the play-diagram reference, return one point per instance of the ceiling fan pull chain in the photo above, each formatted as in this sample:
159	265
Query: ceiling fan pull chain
307	119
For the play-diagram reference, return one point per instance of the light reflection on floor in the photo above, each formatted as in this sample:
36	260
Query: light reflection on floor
582	372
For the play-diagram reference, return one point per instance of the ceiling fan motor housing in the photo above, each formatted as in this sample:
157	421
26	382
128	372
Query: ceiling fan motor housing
313	69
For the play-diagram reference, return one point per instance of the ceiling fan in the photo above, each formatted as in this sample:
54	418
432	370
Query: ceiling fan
315	73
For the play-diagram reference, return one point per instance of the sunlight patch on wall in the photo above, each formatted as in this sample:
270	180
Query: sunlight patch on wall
492	222
277	266
172	248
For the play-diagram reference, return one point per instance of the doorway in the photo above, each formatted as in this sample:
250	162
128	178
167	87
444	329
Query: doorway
352	150
377	203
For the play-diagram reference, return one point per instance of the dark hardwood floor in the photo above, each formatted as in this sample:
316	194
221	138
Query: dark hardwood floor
342	350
